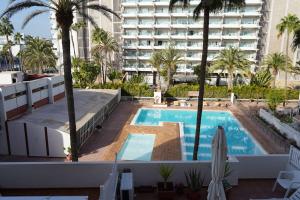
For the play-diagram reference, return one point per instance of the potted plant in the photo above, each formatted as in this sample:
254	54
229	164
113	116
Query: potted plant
227	186
194	182
165	188
69	153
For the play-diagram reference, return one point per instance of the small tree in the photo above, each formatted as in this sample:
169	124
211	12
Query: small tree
85	72
114	74
274	98
262	78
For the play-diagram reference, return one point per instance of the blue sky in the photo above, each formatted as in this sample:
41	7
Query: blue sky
39	26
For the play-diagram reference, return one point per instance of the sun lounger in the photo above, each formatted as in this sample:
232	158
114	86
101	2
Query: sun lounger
290	178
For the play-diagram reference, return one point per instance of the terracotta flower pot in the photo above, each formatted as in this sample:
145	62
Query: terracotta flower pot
69	157
192	195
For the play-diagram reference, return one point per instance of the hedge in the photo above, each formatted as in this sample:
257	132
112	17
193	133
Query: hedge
181	90
242	92
127	89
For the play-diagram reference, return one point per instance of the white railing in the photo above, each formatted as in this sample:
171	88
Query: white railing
108	190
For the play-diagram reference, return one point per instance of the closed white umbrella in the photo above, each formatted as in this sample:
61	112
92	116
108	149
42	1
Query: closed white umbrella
219	155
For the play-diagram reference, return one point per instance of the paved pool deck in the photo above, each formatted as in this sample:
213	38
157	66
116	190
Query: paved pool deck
107	141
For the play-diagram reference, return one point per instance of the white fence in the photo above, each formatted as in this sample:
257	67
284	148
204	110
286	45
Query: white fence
93	174
283	128
18	98
108	190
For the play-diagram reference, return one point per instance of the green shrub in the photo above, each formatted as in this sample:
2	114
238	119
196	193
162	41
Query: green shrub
242	92
274	98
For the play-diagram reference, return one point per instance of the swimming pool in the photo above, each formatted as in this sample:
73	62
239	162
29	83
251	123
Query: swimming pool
239	141
137	147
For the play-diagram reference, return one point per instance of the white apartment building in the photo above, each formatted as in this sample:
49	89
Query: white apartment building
147	26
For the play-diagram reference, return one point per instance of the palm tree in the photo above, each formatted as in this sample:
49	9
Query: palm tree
275	62
38	55
7	29
296	39
64	13
232	61
105	44
207	6
18	38
170	58
156	62
76	27
288	24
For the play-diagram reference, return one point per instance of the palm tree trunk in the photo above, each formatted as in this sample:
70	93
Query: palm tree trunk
69	91
274	79
201	80
72	39
169	77
286	68
230	80
11	57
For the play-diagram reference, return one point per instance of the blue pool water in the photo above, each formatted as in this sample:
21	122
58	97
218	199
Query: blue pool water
239	141
137	147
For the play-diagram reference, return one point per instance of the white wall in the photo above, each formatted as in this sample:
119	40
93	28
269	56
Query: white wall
261	167
283	128
93	174
17	139
57	140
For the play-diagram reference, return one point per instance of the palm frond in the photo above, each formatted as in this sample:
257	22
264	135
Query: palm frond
103	9
172	3
88	17
32	15
14	8
296	39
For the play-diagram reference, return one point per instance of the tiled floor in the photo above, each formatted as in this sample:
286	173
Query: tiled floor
104	144
246	190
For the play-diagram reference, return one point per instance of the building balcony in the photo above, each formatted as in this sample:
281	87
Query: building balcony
179	26
149	14
237	26
249	37
129	36
145	57
145	36
194	47
215	37
161	14
129	4
145	25
147	3
129	15
145	47
130	57
162	25
129	47
248	48
195	37
178	37
231	37
161	36
129	25
250	26
254	14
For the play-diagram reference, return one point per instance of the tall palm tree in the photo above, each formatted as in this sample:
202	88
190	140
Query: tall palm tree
64	13
232	61
7	29
288	24
275	62
207	6
106	45
170	58
38	55
296	39
156	62
18	38
76	27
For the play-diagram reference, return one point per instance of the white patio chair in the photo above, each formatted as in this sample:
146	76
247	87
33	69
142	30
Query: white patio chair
294	196
290	178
